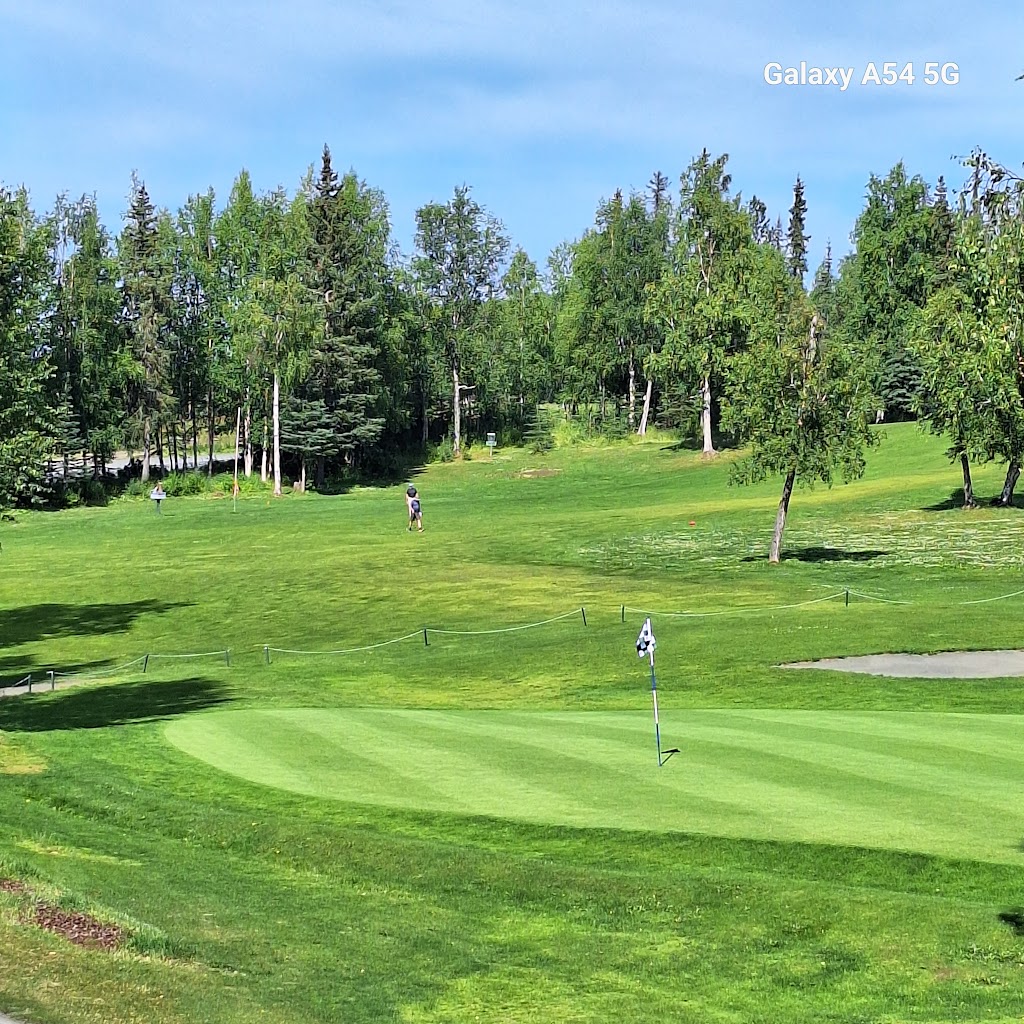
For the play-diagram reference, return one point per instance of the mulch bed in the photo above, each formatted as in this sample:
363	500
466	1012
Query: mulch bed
81	929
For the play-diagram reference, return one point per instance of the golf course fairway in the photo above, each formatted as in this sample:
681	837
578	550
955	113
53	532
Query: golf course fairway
946	784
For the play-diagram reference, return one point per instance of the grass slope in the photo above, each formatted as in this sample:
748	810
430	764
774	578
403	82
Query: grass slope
471	900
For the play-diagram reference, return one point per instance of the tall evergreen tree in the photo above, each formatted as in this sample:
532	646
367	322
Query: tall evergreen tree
348	250
146	307
797	237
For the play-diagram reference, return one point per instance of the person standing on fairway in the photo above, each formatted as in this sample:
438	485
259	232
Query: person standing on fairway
412	501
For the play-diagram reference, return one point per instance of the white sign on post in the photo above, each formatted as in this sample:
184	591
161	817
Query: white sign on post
491	443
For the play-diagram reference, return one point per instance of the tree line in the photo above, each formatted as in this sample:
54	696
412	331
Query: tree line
292	321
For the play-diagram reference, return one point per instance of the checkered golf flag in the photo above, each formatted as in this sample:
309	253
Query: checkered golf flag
645	641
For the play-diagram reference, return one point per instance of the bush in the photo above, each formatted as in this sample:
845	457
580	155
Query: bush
539	436
179	485
443	451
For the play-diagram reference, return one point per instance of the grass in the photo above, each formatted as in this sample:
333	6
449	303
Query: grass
478	830
927	782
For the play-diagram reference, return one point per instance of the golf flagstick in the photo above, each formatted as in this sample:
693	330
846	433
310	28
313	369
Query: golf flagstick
645	644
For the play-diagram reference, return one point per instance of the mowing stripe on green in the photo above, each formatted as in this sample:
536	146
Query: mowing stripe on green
935	783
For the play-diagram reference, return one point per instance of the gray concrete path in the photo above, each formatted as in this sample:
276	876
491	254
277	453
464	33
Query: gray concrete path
949	665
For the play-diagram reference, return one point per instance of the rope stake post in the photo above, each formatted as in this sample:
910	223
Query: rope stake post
847	598
583	612
53	682
145	663
227	657
426	642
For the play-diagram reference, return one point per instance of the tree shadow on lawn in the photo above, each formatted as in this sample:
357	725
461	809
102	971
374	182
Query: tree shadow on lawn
50	621
14	669
820	554
98	707
956	501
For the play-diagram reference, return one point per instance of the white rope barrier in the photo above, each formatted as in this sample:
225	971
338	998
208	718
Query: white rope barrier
347	650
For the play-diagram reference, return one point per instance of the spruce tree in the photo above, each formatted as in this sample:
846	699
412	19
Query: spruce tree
349	231
797	237
145	295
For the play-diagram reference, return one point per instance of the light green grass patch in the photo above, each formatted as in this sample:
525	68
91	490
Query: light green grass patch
932	783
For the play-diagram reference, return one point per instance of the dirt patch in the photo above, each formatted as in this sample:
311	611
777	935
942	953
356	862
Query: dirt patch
77	927
531	473
81	929
947	665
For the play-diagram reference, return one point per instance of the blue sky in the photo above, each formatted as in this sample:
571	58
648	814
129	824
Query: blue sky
543	108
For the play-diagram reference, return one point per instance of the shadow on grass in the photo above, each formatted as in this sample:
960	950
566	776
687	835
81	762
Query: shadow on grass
1013	919
97	707
14	669
954	501
50	621
820	554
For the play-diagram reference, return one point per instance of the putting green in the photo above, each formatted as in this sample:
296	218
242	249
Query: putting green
938	783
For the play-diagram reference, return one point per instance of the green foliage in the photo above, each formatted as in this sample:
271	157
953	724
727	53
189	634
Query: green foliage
699	302
799	395
28	422
899	257
460	248
797	237
349	231
179	485
443	451
539	436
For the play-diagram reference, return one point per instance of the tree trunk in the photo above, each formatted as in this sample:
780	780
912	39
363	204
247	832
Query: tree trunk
321	472
172	445
302	475
160	450
965	464
277	435
1005	499
780	518
632	392
247	429
145	450
263	454
209	431
642	430
426	419
456	411
705	417
195	436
